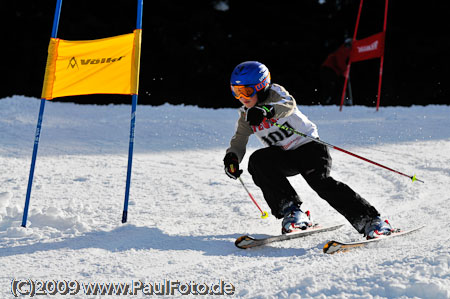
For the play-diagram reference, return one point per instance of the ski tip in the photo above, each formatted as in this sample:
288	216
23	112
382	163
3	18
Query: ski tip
331	247
243	242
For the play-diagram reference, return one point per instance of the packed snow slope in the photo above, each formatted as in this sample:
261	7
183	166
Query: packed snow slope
185	213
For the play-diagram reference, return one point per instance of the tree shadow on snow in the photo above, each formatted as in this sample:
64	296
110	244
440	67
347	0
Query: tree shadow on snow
146	238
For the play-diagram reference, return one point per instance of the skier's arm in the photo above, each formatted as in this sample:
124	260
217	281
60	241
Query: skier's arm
281	100
238	143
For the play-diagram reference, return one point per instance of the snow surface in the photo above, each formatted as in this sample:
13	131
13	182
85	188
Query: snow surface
185	213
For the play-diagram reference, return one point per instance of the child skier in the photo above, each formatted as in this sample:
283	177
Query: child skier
287	154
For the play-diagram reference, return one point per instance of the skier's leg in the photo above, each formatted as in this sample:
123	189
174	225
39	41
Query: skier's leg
316	171
269	168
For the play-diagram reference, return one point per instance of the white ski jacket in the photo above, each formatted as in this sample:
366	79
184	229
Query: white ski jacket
286	113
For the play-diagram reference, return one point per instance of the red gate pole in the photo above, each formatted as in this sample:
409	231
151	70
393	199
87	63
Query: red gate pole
382	56
347	72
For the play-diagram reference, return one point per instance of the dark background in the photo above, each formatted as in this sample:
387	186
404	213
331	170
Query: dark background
189	48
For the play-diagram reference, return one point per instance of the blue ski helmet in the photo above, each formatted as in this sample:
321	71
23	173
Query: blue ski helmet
248	78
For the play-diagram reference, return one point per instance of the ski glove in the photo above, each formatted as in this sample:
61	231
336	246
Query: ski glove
256	114
231	163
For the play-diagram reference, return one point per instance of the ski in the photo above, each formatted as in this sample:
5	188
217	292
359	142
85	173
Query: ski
247	241
332	247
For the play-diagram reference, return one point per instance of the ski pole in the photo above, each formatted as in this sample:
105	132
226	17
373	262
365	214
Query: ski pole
413	177
263	213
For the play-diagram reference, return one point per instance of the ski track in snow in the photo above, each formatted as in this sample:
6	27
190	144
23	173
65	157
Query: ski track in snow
185	214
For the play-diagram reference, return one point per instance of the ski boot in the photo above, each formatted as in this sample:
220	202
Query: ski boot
377	228
295	220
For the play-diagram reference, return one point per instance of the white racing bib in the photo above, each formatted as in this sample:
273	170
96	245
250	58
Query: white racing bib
271	135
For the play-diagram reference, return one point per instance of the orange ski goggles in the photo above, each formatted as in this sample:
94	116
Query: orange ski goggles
242	91
247	91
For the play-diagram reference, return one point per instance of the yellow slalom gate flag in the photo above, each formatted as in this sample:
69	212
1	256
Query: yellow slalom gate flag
102	66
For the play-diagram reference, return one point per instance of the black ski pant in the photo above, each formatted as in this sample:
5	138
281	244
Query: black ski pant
271	166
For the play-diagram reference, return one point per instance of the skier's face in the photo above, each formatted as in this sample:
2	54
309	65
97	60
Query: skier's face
249	103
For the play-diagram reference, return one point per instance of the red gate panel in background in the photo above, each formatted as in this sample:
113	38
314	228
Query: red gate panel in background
367	48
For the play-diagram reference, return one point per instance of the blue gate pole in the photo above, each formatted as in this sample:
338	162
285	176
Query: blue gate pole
132	125
39	126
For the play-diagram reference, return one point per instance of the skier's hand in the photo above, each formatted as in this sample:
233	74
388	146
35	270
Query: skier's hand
256	114
231	163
